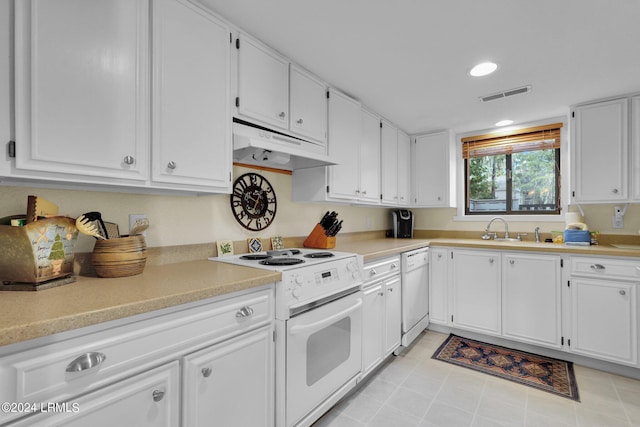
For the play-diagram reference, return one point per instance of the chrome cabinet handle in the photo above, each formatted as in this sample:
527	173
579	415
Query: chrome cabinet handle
171	165
245	311
206	372
158	395
282	115
129	160
299	121
622	292
86	361
597	267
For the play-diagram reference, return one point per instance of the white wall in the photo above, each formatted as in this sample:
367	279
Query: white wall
182	220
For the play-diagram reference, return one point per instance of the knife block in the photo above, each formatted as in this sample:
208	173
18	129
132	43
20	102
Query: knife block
319	240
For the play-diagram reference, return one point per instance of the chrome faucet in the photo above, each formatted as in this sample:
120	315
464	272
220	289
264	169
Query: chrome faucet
487	235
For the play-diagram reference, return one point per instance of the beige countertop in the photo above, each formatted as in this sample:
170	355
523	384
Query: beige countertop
26	315
91	300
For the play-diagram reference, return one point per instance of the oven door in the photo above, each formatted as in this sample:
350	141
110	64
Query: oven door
324	348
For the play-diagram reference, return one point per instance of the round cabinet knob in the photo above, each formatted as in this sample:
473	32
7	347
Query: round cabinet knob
245	311
282	115
512	262
129	160
158	395
394	265
490	260
614	191
299	121
171	165
439	256
206	372
622	292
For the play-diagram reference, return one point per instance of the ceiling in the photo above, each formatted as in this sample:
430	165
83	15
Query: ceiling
408	60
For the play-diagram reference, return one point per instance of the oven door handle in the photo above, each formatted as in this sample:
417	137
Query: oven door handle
301	329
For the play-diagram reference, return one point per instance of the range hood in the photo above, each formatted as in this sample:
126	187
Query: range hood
262	147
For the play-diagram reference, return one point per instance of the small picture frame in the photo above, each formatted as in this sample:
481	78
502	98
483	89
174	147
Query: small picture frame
277	243
255	244
225	247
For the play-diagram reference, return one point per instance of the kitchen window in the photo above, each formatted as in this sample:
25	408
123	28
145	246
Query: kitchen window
513	173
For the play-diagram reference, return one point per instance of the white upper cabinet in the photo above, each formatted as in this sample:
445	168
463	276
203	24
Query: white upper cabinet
82	79
308	103
5	75
389	166
191	108
263	83
635	147
432	168
345	133
370	159
600	143
404	168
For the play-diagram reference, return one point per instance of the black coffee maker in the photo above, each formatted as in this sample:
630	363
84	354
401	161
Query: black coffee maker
402	223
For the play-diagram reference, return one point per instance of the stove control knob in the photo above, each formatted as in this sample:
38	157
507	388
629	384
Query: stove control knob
299	279
296	292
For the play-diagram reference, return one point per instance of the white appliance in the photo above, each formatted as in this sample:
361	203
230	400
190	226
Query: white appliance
415	294
318	328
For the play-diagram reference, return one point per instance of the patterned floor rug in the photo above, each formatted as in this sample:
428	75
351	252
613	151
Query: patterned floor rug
544	373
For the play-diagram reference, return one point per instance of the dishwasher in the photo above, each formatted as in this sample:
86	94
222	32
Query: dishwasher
415	294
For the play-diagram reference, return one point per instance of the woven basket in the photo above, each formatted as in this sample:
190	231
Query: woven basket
121	257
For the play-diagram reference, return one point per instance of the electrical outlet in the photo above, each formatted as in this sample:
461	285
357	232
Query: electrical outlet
132	220
618	217
368	223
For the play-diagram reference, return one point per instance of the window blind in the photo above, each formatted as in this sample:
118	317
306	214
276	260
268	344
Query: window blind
516	141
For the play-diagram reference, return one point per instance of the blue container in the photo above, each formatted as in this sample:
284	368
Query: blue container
577	236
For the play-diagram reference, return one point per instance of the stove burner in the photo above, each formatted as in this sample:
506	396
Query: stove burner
253	257
282	261
279	252
319	255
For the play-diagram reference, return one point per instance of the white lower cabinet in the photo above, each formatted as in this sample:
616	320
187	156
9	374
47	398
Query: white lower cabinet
531	298
382	312
218	378
148	399
129	374
476	296
604	306
438	285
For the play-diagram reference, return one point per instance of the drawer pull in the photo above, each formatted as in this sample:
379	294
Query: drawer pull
86	361
245	311
372	272
158	395
597	267
622	292
206	372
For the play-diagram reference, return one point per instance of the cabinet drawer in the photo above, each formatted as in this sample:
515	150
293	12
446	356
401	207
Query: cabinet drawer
65	368
609	268
376	269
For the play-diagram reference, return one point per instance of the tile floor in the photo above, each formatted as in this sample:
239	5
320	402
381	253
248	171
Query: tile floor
414	390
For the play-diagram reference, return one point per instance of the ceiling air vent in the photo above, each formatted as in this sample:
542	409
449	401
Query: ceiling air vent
510	92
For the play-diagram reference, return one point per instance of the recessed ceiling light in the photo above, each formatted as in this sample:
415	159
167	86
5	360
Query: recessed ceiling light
504	122
483	69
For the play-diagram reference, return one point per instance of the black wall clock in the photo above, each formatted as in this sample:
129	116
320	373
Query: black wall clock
253	201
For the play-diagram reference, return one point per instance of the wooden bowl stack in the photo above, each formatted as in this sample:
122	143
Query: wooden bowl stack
120	257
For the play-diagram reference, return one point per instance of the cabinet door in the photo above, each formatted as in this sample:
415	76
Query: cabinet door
389	166
431	169
81	78
191	114
308	103
231	383
604	320
476	291
263	83
345	132
438	285
635	146
531	299
148	399
393	315
370	158
601	144
404	168
372	327
5	77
